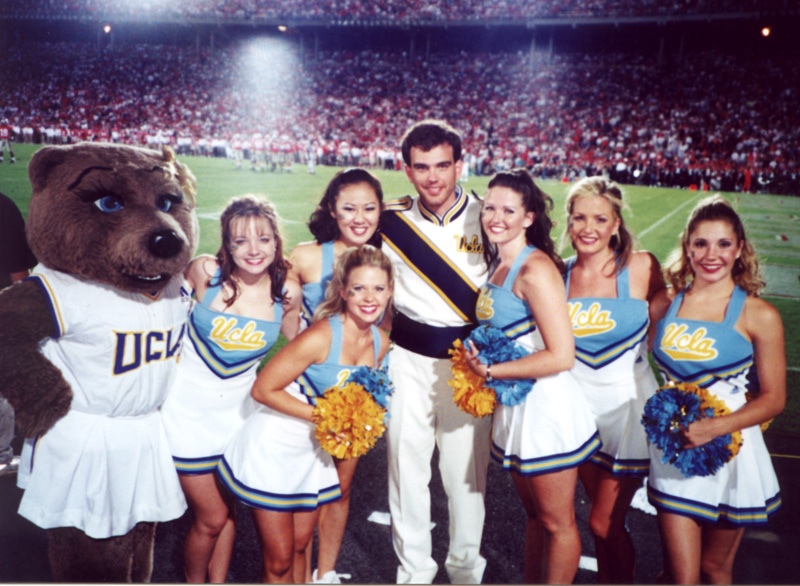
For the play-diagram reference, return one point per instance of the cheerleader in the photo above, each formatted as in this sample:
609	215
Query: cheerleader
243	300
275	463
711	328
347	215
608	288
544	439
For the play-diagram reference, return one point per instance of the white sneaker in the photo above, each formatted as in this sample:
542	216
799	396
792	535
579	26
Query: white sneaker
329	578
12	466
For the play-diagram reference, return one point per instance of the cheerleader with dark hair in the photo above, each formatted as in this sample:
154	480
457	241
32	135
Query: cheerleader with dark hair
543	439
347	216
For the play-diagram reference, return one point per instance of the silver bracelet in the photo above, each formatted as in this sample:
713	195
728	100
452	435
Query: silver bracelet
489	373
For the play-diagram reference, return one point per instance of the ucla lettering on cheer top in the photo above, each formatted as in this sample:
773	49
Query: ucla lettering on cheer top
715	356
553	428
275	462
211	397
591	321
681	343
614	374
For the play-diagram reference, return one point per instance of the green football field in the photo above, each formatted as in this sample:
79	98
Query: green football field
656	215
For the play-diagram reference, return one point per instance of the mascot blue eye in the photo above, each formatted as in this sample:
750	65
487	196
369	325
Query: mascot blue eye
109	204
165	202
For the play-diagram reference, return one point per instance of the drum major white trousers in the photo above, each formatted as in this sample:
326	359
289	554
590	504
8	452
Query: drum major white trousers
423	416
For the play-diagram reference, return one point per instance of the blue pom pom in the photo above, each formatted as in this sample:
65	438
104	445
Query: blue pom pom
494	347
668	412
375	381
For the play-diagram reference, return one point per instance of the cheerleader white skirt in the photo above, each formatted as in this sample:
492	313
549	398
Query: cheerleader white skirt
276	463
200	419
553	429
743	492
617	407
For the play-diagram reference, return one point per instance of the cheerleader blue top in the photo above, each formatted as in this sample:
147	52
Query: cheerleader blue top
605	328
701	352
318	378
500	308
314	293
229	344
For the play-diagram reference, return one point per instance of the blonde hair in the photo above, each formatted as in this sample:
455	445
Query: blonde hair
622	243
351	259
745	271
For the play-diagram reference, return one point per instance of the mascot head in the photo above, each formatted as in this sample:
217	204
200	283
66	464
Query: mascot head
119	215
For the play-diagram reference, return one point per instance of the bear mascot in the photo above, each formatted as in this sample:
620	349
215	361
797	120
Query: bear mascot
88	348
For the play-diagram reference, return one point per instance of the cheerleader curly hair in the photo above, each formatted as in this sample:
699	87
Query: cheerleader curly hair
533	200
322	224
623	242
745	269
351	259
244	208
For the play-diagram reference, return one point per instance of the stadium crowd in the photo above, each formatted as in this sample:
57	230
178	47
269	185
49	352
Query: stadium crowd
364	10
711	121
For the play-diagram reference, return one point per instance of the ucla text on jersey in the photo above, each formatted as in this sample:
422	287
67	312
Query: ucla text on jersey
136	348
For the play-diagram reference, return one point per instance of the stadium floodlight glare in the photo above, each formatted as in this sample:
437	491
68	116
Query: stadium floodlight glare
765	31
266	70
107	28
282	28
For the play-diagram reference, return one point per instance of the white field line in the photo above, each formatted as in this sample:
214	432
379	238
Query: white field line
667	217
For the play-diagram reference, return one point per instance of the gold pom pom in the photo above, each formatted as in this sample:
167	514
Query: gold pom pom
349	421
469	392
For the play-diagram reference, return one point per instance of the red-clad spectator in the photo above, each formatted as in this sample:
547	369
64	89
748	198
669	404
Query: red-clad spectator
566	115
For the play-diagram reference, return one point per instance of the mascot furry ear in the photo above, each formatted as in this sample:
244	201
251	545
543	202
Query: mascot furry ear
88	346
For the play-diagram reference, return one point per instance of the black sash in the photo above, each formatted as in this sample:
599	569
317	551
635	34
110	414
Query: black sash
430	263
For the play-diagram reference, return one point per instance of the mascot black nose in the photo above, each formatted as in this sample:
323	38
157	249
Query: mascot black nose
165	244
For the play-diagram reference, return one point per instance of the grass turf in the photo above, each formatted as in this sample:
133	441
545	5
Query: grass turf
657	215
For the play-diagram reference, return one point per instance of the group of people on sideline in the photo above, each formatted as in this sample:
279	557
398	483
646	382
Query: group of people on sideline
204	102
431	269
377	10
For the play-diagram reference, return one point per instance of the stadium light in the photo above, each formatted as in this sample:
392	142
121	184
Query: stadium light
266	68
107	28
282	28
765	31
